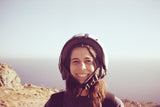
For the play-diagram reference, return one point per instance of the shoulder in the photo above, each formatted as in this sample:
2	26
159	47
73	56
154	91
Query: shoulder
59	94
112	101
119	102
55	99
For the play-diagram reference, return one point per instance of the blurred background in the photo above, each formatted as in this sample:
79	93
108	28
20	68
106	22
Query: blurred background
33	32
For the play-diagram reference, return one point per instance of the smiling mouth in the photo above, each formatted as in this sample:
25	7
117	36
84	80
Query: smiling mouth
82	75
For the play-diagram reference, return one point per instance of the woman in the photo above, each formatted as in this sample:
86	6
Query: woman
82	65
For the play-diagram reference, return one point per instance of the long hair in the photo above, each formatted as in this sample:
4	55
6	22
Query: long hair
96	93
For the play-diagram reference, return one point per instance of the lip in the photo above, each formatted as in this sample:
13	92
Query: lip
82	75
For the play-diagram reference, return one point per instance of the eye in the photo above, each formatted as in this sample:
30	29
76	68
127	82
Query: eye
75	62
89	61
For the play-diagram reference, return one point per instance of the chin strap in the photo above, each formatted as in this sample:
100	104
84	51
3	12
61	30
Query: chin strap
91	80
88	83
80	92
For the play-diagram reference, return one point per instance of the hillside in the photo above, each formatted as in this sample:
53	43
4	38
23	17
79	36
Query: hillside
15	94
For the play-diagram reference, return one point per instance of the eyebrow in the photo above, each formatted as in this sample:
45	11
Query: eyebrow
84	58
74	59
88	58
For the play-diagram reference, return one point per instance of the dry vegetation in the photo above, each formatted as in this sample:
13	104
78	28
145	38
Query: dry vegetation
131	103
27	96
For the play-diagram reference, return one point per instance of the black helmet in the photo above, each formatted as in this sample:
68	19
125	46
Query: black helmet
81	40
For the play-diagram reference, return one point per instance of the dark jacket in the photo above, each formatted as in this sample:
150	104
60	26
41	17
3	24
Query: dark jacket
61	100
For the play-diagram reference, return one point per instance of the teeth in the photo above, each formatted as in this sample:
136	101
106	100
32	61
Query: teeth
82	75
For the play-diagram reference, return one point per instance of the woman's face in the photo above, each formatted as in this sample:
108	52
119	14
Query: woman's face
81	64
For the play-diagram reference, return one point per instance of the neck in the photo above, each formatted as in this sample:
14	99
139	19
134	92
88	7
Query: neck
83	92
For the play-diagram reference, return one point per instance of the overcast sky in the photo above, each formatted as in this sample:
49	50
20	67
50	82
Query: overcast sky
39	28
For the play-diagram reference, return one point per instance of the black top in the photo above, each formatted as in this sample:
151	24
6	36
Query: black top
61	100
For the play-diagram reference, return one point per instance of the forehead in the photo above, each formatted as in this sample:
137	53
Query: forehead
80	52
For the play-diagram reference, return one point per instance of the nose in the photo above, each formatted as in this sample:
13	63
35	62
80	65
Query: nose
83	66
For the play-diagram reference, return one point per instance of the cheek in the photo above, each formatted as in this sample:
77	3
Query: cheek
72	69
91	68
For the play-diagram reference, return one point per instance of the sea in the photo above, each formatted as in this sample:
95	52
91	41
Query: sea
133	79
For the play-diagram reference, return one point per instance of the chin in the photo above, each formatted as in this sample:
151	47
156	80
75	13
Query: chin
82	81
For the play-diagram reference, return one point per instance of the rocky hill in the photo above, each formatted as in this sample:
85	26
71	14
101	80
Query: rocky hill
15	94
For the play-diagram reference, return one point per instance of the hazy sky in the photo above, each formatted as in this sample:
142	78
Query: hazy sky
39	28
